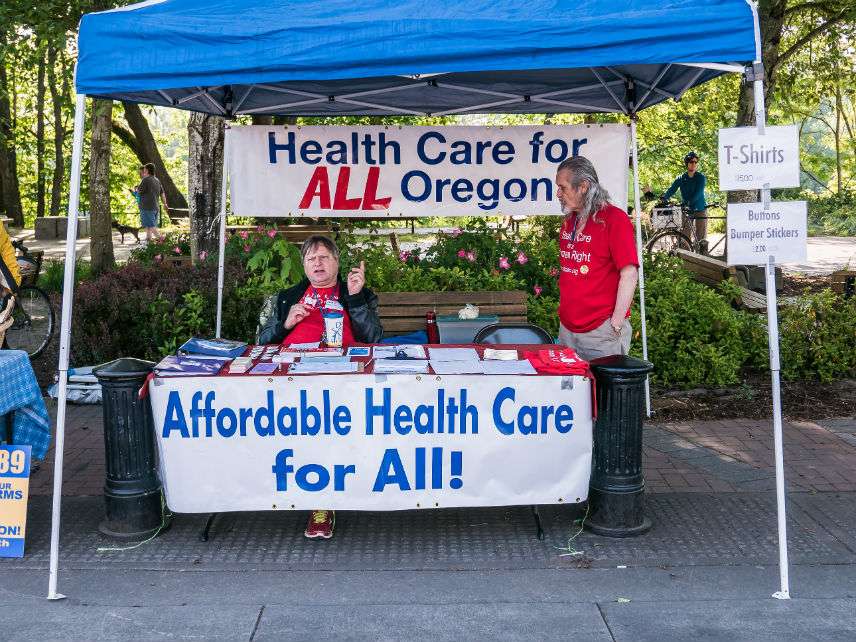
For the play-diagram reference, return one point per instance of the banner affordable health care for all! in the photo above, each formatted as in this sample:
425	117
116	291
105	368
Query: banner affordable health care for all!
415	171
363	442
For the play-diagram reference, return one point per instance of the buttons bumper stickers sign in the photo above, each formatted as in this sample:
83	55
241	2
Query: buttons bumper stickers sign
14	490
756	233
749	160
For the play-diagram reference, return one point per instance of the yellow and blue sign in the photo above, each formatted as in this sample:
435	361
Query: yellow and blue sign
14	491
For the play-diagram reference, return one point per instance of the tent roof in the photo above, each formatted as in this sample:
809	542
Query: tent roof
375	57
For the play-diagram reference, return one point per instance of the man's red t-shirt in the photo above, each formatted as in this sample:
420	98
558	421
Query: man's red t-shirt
588	281
311	329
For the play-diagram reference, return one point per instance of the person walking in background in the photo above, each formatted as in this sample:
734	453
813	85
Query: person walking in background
147	194
599	265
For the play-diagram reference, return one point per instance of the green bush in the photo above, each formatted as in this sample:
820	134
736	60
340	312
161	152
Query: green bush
695	337
52	274
818	338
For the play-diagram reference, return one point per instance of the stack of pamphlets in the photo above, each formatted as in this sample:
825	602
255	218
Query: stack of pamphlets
182	366
400	366
214	347
265	368
240	365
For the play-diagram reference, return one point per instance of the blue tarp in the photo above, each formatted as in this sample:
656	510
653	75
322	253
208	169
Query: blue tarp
379	57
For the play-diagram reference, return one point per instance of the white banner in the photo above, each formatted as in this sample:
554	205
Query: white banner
749	160
415	171
371	442
755	233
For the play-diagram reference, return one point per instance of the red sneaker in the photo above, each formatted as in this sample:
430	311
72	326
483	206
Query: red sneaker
321	523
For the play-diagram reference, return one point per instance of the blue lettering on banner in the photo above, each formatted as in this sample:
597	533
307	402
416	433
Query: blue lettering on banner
451	414
530	420
421	469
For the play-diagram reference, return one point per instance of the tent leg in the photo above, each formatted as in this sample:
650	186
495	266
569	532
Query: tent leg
637	205
65	340
784	592
221	256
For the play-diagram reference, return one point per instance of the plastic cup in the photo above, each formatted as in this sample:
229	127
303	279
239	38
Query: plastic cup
333	329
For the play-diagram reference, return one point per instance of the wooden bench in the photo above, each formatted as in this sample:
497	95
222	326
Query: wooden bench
844	282
296	234
404	312
712	272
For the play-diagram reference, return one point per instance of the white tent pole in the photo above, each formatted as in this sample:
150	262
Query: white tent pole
638	207
221	256
65	339
784	593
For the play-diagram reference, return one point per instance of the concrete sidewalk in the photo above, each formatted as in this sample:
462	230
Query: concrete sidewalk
706	570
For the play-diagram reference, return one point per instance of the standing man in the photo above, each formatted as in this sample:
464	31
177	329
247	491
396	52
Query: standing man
147	194
692	184
599	265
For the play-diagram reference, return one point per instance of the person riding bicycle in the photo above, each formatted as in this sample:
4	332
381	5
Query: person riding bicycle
692	184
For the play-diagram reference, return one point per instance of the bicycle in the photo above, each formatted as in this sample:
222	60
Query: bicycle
668	225
33	315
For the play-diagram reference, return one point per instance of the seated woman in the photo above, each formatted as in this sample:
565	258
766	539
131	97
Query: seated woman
298	315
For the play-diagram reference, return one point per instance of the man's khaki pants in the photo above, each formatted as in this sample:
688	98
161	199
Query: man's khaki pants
600	342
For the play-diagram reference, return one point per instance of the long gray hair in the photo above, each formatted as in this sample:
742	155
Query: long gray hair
581	169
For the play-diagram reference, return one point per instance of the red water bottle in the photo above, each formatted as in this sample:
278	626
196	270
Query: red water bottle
431	329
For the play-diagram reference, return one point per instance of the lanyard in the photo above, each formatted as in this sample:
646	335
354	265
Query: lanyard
317	295
574	232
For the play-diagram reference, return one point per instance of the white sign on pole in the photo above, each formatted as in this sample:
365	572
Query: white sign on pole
371	442
749	160
415	171
756	233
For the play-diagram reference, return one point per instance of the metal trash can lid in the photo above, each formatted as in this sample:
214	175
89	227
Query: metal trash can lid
620	365
124	368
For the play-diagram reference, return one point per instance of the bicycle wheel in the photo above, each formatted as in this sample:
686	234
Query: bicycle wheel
33	321
668	241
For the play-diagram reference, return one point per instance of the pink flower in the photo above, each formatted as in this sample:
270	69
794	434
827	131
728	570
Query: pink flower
246	248
554	272
538	289
176	249
503	263
471	257
271	233
243	234
161	237
403	256
259	229
158	258
462	254
203	255
456	232
522	258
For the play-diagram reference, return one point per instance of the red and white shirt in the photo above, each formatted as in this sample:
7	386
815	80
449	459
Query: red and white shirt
590	265
311	329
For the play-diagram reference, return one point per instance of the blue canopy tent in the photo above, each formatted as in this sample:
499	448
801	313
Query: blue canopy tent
310	58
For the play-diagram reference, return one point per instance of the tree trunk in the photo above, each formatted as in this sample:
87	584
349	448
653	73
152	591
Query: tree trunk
40	135
204	180
101	234
771	18
147	152
11	205
57	97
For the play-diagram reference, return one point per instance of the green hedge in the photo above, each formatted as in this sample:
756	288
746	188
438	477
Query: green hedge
695	335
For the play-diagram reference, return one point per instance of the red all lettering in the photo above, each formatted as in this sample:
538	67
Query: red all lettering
319	186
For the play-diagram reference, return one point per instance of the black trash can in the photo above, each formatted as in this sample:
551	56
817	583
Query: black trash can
132	490
617	489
